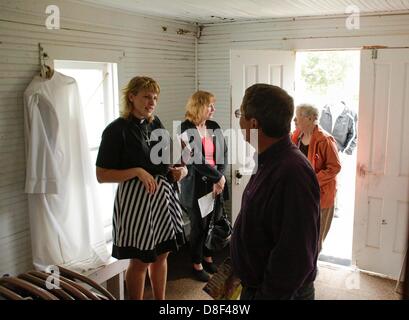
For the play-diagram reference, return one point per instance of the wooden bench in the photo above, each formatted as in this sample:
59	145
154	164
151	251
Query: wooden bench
113	273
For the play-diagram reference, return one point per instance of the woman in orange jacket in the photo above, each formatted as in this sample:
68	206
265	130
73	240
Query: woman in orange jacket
321	150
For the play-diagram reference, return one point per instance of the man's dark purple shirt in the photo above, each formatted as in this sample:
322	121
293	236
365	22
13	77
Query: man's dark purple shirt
274	246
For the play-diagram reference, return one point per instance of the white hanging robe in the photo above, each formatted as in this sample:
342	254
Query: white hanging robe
66	227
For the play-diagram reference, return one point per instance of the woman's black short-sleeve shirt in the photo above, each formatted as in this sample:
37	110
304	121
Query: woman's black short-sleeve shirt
126	143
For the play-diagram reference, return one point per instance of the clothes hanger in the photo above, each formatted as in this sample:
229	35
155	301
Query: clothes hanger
27	287
33	284
46	72
9	294
77	286
72	291
58	292
74	275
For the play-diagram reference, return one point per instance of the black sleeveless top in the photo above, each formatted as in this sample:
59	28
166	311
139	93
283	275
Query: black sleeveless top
127	143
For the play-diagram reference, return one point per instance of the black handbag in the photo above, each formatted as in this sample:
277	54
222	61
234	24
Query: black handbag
220	229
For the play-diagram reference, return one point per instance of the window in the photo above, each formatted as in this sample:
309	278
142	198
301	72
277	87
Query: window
98	85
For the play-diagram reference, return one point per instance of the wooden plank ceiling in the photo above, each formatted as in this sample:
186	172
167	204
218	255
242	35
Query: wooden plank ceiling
216	11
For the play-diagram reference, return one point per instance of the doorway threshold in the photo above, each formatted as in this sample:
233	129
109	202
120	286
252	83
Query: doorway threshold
335	260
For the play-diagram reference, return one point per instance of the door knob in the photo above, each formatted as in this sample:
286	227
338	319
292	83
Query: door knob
238	174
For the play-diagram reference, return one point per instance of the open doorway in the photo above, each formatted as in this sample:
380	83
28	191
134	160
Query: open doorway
330	81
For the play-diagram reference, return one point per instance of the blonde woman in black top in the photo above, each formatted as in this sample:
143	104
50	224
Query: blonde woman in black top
147	220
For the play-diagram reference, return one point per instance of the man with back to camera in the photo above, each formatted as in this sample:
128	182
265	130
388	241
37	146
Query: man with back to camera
274	246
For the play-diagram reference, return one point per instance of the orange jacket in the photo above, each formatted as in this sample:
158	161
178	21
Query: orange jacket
323	156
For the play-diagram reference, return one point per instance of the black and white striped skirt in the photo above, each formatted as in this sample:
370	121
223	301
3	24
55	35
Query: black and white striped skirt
145	225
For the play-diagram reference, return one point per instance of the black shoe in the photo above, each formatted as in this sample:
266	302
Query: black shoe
201	275
209	267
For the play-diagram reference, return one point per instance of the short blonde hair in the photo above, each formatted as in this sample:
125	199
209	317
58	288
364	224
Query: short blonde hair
309	110
134	86
196	104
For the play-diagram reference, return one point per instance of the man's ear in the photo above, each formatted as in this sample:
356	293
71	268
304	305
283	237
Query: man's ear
254	123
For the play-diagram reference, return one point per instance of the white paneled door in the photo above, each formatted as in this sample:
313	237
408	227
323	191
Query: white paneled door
382	189
247	68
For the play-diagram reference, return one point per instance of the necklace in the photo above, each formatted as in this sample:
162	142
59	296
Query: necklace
145	134
143	128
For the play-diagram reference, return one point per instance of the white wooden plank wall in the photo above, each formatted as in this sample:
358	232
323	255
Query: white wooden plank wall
166	56
284	34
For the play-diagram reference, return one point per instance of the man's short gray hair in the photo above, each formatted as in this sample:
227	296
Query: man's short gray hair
309	110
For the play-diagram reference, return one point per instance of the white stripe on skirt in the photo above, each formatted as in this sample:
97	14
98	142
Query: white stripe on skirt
142	220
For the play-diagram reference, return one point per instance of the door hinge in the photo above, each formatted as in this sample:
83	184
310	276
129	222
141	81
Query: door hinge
374	50
374	54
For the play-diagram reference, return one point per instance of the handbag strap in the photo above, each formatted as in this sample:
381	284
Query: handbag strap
218	202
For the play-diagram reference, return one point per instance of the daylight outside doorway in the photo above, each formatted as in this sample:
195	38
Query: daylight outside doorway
326	78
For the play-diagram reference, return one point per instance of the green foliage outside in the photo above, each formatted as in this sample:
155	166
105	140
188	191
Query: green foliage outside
322	71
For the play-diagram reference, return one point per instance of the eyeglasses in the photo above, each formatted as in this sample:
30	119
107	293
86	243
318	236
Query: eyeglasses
238	114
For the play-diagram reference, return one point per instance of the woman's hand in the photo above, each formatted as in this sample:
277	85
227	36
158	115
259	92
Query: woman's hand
217	190
221	182
178	173
219	186
147	179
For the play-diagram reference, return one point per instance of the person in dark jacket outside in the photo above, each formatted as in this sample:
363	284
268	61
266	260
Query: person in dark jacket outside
274	245
340	122
205	175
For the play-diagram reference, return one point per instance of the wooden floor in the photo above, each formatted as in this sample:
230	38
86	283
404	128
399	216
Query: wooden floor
341	283
333	282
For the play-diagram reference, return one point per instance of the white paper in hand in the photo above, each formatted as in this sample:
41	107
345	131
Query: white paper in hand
206	204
